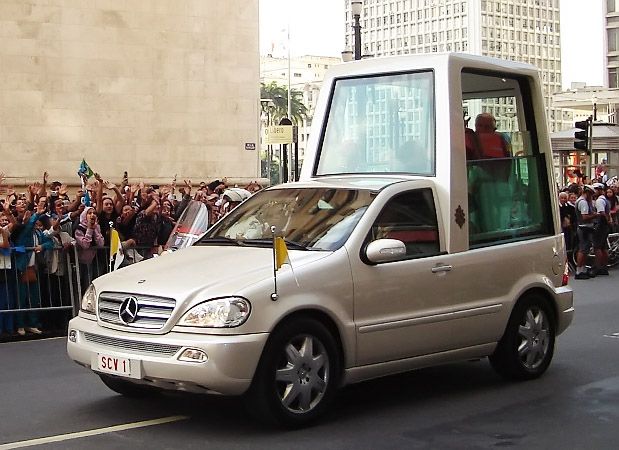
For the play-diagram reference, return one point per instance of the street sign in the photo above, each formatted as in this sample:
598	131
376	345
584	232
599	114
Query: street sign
250	146
278	134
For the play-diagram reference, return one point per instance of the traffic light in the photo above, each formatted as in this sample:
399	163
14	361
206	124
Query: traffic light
583	138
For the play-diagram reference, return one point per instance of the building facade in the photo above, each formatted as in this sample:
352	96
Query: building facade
612	43
520	30
158	89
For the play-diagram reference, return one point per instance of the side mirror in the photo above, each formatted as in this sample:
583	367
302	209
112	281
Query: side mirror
385	250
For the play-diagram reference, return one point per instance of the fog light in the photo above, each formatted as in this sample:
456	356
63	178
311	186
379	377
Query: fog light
193	355
73	336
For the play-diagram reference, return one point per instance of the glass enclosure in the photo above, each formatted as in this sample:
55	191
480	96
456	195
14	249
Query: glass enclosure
507	176
381	124
504	199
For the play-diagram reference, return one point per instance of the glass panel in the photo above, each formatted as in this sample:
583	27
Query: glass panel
410	218
505	199
381	124
316	219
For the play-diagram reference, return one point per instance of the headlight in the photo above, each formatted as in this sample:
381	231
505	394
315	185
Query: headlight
89	300
219	313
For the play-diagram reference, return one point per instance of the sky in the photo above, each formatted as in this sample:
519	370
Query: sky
317	28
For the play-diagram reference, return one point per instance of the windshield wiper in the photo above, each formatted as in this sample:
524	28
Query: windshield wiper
269	242
220	240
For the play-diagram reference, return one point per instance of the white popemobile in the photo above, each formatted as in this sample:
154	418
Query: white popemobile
404	250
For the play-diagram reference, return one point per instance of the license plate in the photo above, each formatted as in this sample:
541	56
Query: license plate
114	365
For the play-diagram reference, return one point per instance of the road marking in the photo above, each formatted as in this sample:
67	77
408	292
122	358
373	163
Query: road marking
95	432
614	335
35	340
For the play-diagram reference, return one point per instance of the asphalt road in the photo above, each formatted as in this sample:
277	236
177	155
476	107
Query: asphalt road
461	406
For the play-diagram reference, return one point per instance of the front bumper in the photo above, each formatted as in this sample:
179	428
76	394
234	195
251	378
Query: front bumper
232	359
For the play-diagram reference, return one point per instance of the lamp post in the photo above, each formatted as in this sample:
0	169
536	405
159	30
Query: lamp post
594	100
267	105
356	7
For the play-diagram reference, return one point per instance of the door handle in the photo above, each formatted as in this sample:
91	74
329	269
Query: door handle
442	268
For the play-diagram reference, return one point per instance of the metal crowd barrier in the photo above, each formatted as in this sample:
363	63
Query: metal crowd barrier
52	295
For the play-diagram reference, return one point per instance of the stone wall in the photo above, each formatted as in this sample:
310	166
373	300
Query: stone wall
154	87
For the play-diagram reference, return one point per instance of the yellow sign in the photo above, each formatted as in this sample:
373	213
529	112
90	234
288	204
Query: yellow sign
279	134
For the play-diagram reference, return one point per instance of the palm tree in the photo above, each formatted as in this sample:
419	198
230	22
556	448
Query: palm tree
279	95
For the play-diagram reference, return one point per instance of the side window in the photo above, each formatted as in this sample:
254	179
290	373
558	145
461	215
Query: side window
507	196
411	218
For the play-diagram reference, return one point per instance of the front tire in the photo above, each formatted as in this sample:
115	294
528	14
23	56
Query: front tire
297	376
127	388
526	349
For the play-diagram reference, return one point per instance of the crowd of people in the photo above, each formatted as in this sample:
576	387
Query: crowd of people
589	212
40	226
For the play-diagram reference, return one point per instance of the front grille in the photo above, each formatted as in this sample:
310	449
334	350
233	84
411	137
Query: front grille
147	347
152	313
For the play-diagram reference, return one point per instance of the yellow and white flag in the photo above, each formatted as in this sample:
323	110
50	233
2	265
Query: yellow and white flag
281	253
116	253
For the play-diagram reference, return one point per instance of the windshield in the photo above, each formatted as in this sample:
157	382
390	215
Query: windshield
307	218
190	226
382	124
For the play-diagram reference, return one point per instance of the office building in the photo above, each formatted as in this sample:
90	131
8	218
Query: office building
520	30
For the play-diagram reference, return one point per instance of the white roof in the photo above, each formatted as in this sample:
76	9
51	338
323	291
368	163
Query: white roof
429	61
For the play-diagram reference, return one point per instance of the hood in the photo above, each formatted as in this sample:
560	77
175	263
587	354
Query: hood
219	270
83	214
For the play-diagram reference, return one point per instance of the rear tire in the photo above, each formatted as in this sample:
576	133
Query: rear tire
297	376
128	388
526	349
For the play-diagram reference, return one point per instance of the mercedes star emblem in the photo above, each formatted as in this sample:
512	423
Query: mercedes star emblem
128	310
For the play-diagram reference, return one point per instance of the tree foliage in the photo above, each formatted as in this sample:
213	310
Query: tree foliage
279	95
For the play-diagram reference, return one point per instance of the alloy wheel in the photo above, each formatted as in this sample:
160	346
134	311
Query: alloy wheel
302	375
534	334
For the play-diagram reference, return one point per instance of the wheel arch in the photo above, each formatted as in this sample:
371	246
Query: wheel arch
546	297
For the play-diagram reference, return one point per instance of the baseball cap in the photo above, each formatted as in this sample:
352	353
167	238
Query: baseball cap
598	186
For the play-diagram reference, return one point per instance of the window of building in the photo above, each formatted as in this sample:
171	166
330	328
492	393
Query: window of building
613	77
613	39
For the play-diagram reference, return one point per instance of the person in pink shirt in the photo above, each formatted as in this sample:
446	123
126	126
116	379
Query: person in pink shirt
88	238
